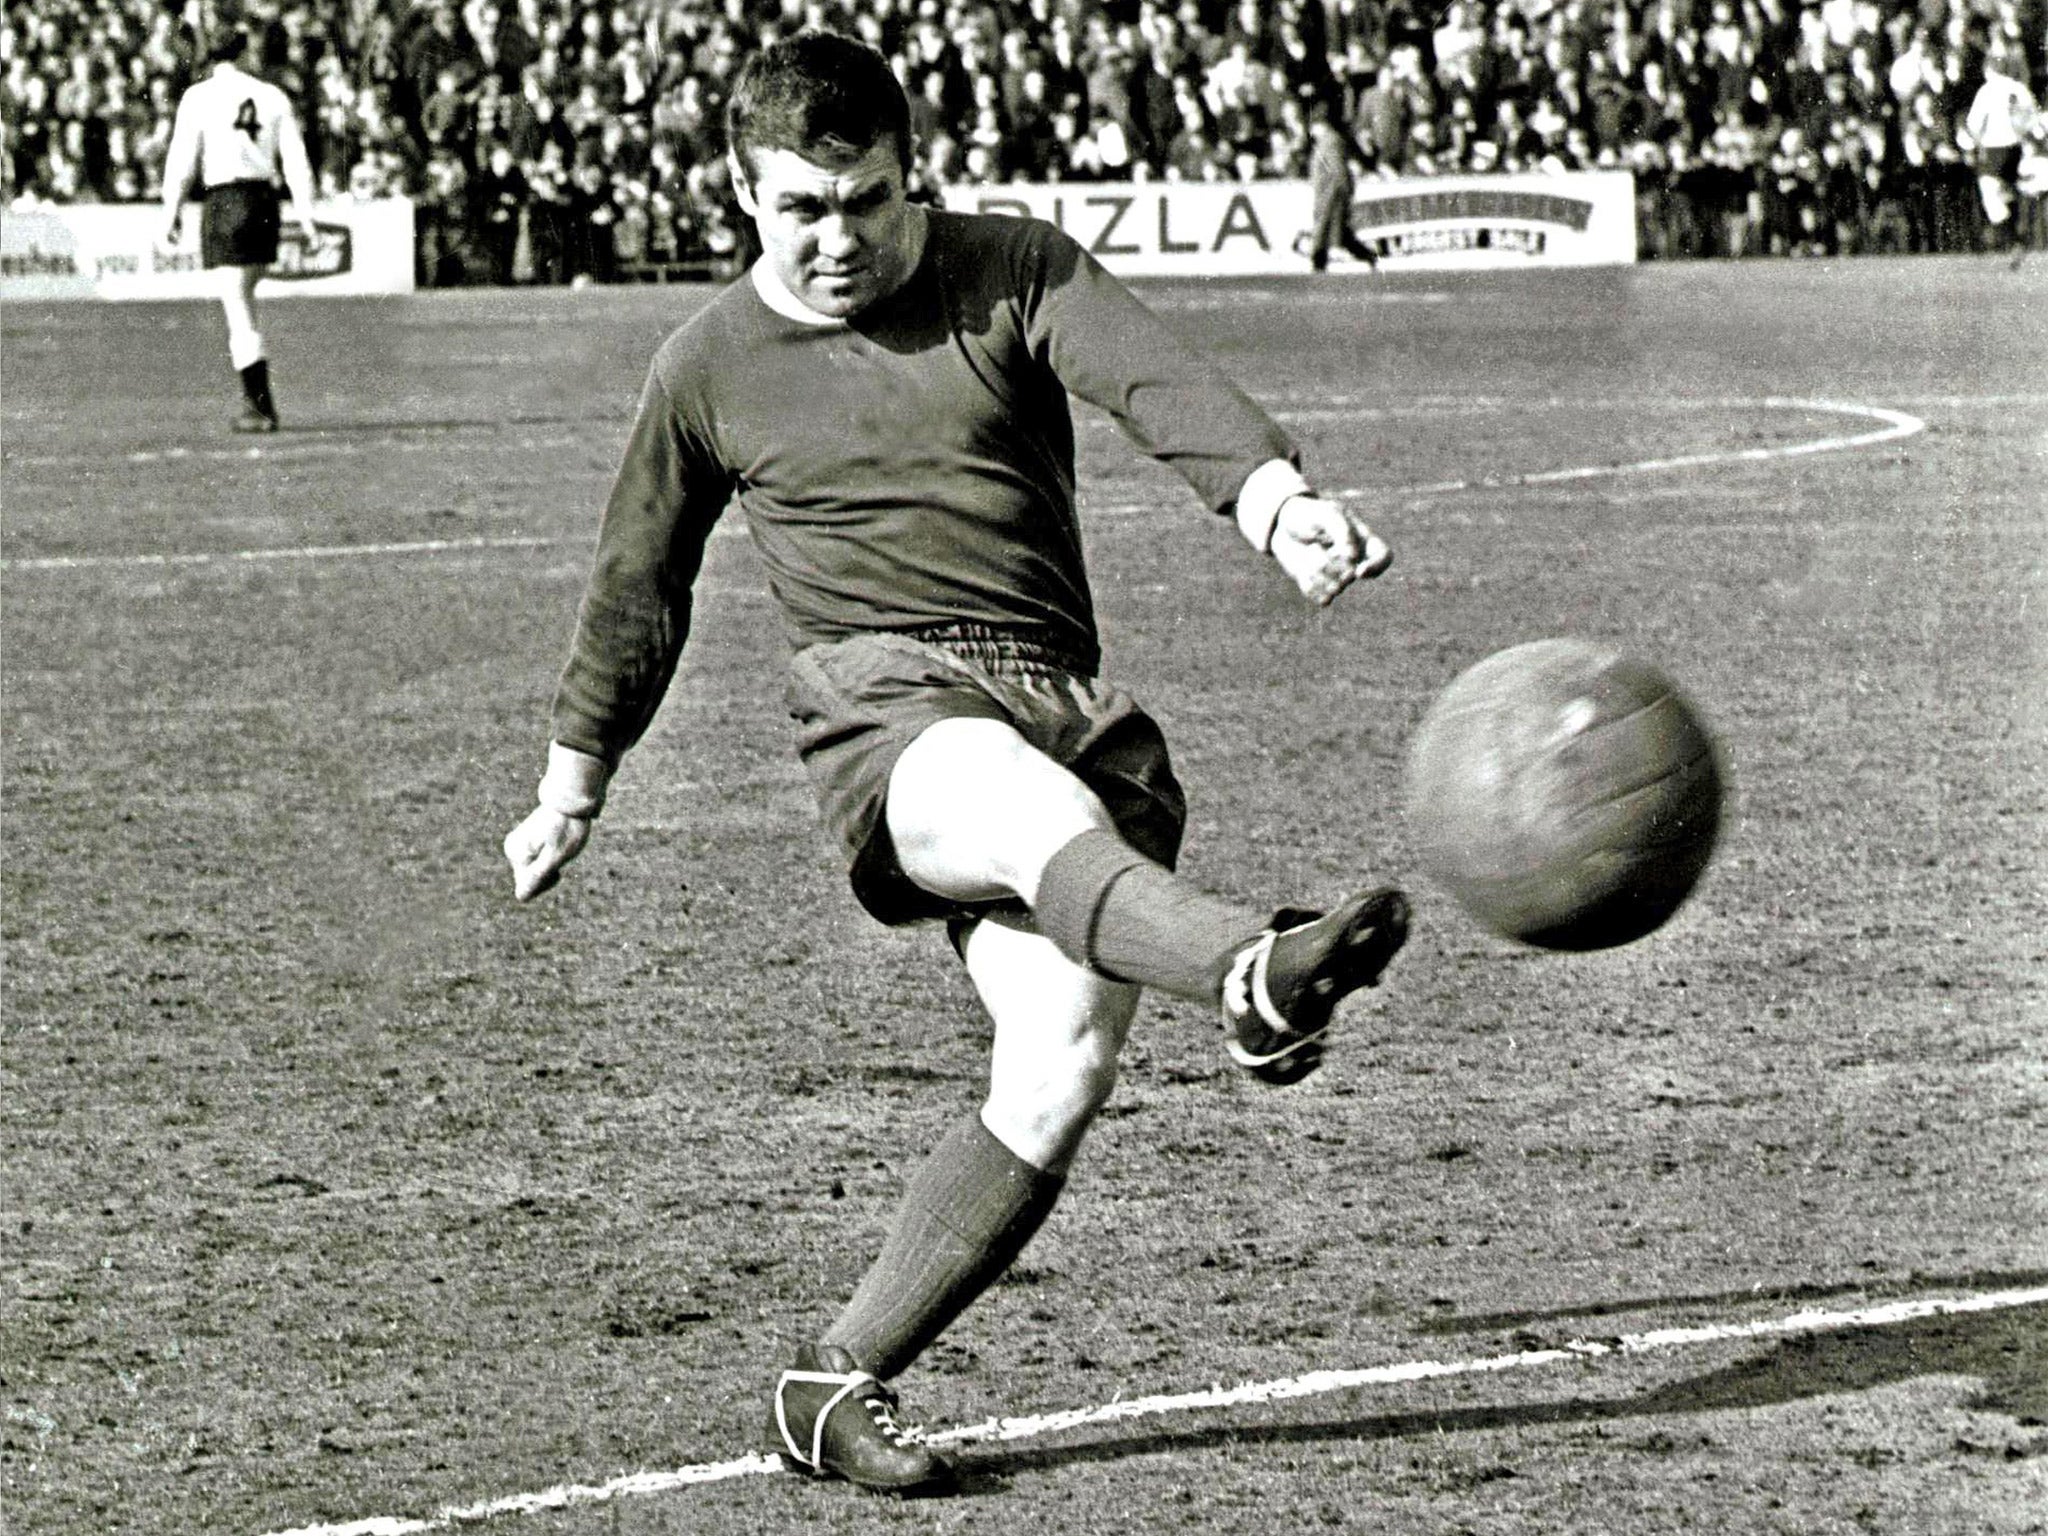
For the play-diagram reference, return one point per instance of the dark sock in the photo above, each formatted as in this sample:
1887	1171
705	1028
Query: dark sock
1108	907
966	1215
256	386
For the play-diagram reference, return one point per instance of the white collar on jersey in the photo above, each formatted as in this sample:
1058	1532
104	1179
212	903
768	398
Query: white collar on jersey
775	294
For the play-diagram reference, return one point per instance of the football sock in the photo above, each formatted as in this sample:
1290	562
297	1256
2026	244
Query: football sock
245	344
1106	906
966	1215
256	386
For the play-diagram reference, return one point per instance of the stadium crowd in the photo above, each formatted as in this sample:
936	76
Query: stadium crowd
557	140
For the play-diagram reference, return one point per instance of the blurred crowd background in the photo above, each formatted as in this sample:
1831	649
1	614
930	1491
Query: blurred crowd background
548	141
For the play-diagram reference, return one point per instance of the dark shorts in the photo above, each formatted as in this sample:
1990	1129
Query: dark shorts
238	226
2001	164
859	702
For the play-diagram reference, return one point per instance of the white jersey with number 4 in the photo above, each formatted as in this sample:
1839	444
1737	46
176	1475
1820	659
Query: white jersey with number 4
235	127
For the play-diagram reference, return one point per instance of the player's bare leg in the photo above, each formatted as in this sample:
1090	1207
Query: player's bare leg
246	348
977	813
1059	1031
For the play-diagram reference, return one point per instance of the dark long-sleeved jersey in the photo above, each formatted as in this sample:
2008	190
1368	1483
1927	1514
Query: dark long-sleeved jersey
911	467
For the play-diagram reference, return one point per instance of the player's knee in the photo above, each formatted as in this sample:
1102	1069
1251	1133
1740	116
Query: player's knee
1090	1077
1053	1108
1047	1084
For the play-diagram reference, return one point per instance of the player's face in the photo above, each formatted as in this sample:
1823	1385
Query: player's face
839	236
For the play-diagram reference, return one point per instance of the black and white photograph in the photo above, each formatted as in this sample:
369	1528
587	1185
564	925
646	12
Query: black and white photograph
1096	767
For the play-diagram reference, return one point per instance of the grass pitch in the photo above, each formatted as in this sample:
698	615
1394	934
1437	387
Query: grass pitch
338	1188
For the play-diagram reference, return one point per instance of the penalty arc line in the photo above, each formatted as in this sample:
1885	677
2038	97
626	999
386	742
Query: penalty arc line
1896	425
1310	1384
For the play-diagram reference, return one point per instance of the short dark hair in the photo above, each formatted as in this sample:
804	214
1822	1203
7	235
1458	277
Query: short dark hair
816	91
233	40
240	37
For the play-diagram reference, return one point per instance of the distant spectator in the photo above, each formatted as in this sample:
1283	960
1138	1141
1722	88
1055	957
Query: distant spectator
1384	118
507	41
1876	89
590	216
436	44
442	222
547	216
1032	145
446	119
498	198
533	120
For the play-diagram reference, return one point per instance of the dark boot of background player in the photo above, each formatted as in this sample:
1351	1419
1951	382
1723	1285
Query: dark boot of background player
259	413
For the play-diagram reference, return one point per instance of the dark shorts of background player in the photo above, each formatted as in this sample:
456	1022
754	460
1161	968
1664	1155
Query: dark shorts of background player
239	225
2001	164
859	702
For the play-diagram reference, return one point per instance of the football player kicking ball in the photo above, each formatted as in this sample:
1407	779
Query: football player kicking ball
887	395
234	135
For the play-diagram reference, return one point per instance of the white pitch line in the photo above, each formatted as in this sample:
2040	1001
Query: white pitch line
1317	1382
252	556
1896	425
1312	1384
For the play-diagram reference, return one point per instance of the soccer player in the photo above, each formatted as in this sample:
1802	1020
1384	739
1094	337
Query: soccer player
1994	131
886	393
233	136
1332	150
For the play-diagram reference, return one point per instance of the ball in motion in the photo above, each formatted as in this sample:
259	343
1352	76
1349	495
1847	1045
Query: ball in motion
1566	795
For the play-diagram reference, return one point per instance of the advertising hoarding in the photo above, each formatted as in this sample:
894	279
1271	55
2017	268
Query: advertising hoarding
1258	228
117	251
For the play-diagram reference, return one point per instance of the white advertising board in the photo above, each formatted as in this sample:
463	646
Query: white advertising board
1223	229
117	251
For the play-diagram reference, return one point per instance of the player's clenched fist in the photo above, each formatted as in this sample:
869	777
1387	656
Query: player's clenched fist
1324	548
571	794
539	846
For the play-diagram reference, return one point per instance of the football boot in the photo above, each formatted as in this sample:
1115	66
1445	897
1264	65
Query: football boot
1282	989
833	1419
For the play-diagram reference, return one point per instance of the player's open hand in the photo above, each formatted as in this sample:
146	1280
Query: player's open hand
1324	548
540	846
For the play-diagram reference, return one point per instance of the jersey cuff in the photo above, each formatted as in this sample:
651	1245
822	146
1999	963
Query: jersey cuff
575	782
1258	503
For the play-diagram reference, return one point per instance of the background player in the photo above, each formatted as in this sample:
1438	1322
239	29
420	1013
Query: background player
886	392
1994	133
1332	152
234	135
